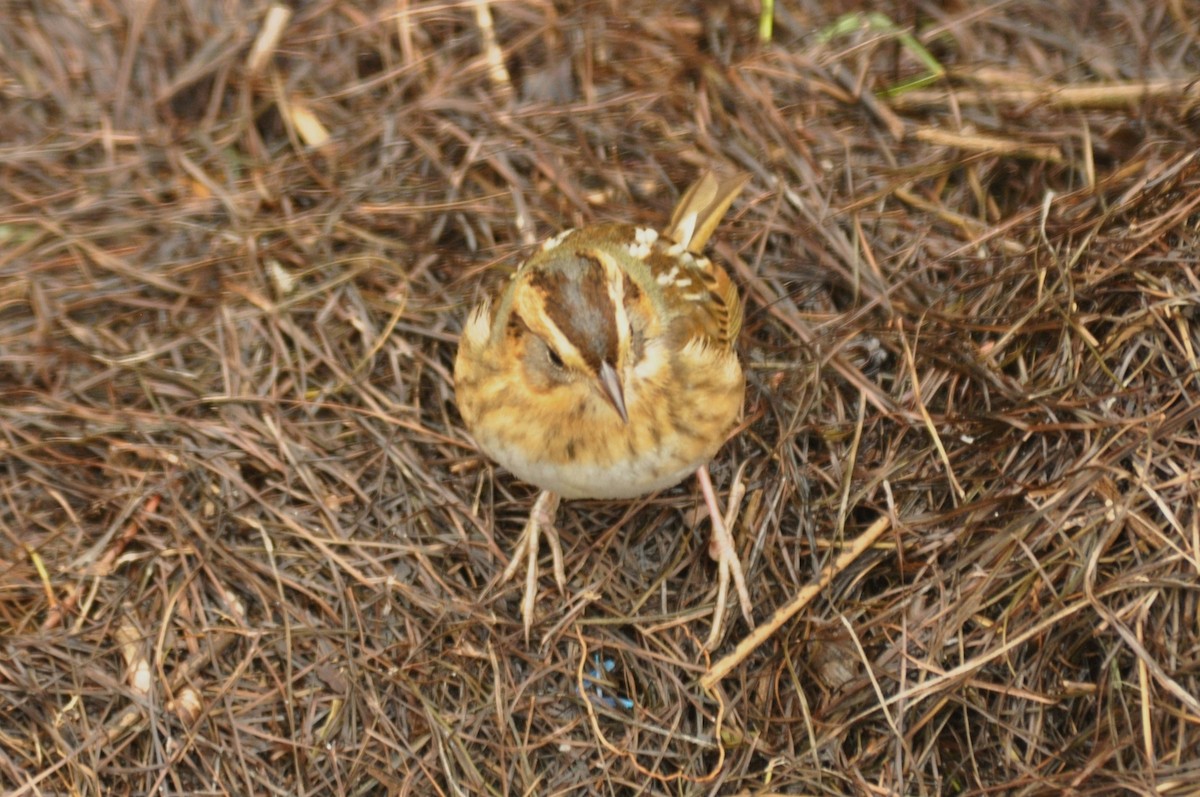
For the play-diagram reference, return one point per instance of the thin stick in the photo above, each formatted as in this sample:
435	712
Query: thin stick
785	613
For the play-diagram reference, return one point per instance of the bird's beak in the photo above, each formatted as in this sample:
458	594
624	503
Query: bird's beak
610	387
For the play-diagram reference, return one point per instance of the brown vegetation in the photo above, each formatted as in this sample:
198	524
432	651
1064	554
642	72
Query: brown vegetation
247	548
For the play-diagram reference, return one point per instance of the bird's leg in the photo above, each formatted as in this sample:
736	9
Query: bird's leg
541	521
721	548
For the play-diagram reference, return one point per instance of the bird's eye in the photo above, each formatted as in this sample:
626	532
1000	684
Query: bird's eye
555	360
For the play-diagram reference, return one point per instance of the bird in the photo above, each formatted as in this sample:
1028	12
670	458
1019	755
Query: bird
607	369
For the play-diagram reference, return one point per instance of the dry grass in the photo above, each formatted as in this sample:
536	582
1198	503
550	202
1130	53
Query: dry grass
247	548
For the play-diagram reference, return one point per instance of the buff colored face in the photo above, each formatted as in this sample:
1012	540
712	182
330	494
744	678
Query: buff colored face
583	382
607	369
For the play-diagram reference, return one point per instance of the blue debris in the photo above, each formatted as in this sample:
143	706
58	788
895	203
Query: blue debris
600	668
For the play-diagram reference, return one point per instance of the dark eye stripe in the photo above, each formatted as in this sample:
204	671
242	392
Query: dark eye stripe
632	292
581	307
